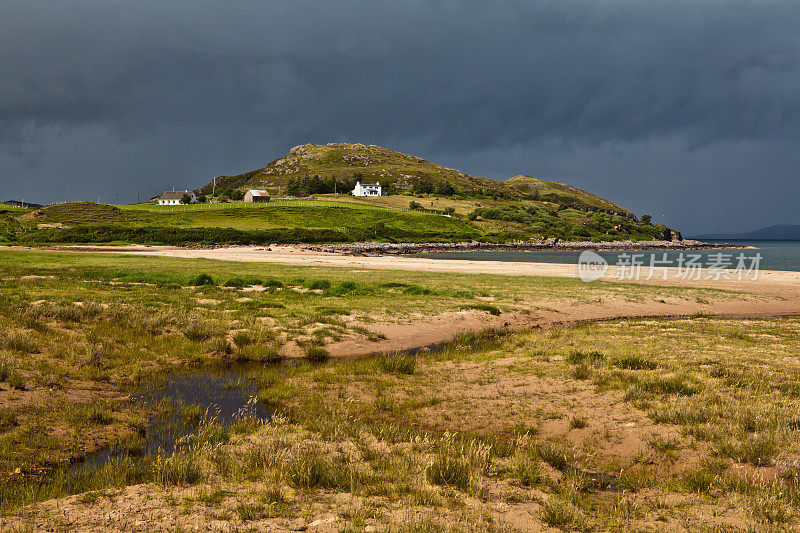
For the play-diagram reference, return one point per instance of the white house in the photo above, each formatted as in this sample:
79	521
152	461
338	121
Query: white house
174	197
254	196
367	189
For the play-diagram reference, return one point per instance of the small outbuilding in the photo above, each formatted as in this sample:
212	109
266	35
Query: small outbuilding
367	189
174	197
256	196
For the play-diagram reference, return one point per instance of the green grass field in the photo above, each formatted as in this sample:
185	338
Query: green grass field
328	219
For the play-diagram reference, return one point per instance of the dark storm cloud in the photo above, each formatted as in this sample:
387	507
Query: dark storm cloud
125	96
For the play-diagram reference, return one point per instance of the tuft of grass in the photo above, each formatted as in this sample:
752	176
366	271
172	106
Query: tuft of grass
319	285
317	354
578	423
263	353
201	280
659	385
191	413
398	364
17	341
197	330
526	470
242	339
6	368
177	469
554	453
460	464
331	311
416	290
311	470
759	449
703	478
770	510
562	515
581	372
347	287
251	511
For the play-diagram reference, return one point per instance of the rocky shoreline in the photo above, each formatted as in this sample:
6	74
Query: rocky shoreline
546	245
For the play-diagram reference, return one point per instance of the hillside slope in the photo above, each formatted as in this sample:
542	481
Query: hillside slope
347	163
319	169
559	193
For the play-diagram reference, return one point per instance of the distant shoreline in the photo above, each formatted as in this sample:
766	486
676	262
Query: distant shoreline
547	245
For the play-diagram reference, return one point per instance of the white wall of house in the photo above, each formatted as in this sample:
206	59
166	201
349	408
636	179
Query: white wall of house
367	189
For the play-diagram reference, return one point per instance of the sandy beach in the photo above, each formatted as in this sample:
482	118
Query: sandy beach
767	282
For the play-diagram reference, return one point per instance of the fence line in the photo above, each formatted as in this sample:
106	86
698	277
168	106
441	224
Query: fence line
245	205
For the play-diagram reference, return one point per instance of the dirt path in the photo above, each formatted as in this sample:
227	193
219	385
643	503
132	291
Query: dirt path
426	330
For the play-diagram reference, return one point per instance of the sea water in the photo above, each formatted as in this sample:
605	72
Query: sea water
775	255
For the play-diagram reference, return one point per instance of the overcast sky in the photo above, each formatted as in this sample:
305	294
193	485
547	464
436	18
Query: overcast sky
688	110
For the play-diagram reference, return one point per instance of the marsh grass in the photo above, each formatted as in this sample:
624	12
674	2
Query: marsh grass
397	364
177	469
261	352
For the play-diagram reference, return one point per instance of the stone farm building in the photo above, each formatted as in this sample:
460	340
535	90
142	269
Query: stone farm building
174	197
255	196
367	189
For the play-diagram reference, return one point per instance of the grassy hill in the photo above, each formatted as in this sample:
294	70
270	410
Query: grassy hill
313	169
347	163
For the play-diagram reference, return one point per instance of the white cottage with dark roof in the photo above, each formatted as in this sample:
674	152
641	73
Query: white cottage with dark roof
174	197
